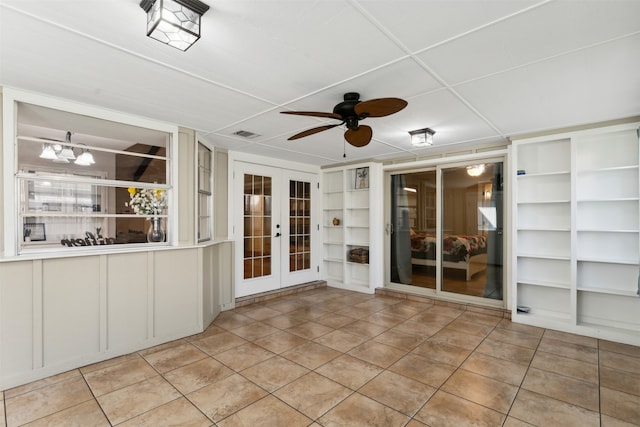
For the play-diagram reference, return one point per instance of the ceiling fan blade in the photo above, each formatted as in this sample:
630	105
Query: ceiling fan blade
314	114
380	107
312	131
359	137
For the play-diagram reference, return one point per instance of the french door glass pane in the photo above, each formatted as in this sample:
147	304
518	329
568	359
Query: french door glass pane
257	226
299	225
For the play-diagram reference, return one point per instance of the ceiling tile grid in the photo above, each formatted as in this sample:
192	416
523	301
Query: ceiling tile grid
476	72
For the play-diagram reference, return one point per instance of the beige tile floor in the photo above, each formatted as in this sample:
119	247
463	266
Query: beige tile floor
329	357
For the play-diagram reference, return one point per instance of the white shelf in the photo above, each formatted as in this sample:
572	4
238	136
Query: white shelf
595	230
562	230
621	292
608	199
357	244
359	215
535	175
609	261
577	231
541	256
546	315
566	286
543	202
608	169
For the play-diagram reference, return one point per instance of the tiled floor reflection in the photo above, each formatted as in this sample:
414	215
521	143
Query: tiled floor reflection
330	357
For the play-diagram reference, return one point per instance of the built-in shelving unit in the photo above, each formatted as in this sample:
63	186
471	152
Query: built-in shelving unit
350	218
332	225
577	232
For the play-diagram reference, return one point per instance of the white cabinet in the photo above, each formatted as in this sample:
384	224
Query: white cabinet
352	226
577	232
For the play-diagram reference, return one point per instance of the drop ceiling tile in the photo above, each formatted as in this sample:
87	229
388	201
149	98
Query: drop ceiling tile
402	79
281	50
256	58
551	29
131	85
445	113
419	25
596	84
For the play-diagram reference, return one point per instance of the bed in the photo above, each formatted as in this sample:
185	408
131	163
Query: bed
468	253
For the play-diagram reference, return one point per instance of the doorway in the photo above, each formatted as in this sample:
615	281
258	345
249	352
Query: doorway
275	227
446	230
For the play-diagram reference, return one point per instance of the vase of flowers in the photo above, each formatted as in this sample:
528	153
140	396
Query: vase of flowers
149	202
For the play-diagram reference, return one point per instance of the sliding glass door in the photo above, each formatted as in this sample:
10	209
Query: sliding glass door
472	230
446	229
413	229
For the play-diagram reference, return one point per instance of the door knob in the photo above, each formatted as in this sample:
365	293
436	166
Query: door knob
277	235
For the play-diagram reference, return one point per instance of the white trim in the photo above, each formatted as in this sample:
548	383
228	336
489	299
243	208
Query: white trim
442	161
19	95
578	133
273	162
196	213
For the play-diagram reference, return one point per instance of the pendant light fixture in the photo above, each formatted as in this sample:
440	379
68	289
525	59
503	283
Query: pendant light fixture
62	152
174	22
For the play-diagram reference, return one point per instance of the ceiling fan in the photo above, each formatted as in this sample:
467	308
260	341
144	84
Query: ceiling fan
350	112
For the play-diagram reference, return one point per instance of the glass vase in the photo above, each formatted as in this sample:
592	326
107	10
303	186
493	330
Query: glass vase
156	231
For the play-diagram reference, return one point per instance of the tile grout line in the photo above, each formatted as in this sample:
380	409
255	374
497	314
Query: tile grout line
439	388
524	377
599	382
95	398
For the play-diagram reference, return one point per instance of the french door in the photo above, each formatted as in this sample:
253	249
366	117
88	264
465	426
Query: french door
275	228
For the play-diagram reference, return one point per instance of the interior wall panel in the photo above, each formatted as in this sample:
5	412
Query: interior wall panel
127	308
177	308
16	317
71	308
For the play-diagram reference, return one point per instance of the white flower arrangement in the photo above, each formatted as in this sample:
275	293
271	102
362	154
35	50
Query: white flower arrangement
145	201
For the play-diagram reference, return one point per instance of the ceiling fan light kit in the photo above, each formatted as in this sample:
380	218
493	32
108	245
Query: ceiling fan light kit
174	22
422	137
350	112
